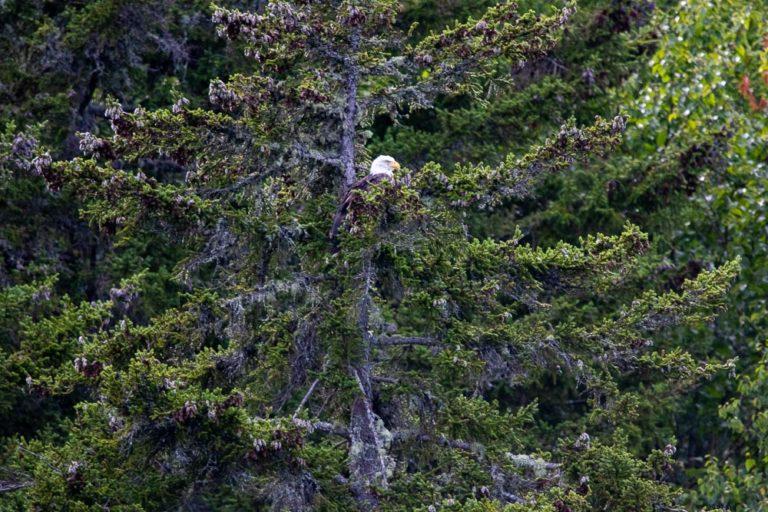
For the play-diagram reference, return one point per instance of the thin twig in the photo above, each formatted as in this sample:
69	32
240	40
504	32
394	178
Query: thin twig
306	397
42	458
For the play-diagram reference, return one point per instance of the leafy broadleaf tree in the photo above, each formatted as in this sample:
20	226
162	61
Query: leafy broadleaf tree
350	372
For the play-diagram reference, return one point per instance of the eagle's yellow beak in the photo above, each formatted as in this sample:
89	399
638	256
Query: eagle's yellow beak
395	166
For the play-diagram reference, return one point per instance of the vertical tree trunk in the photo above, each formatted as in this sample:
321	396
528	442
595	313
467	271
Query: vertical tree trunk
368	460
349	129
369	439
369	463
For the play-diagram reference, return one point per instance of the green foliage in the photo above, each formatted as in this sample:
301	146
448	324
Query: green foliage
618	481
39	333
523	104
692	173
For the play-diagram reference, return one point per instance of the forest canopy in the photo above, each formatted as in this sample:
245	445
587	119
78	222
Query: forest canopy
383	255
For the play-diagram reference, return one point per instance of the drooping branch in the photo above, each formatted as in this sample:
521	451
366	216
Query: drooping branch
447	61
484	187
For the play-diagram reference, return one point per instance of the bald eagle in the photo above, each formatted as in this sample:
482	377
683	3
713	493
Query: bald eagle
382	169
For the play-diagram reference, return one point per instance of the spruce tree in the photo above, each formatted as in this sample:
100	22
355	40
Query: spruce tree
358	371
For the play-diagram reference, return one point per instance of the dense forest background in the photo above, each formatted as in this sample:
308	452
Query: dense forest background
177	332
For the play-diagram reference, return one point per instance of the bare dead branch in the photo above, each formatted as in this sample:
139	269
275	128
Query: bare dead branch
306	397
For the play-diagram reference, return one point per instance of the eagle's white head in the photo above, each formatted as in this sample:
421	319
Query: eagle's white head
384	165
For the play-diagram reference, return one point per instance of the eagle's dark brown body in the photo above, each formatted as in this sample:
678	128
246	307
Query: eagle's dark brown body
353	192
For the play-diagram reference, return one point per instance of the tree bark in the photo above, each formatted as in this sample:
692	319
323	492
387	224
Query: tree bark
349	128
368	459
369	463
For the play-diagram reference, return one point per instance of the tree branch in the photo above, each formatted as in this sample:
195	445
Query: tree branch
317	155
330	428
386	380
403	436
14	485
408	340
306	397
